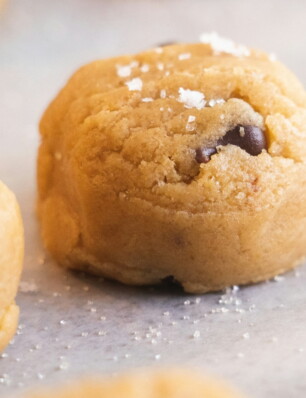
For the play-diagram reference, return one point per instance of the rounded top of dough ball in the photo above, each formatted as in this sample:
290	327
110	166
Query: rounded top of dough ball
138	125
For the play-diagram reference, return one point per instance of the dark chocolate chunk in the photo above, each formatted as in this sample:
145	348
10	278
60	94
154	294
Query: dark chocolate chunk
249	138
203	154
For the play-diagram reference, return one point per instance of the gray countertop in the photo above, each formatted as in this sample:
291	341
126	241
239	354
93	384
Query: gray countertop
73	324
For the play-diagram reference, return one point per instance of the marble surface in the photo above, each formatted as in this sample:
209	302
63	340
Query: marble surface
73	324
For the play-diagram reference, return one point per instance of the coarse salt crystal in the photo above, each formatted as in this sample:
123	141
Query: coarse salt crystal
163	93
145	68
124	71
191	98
224	45
147	99
214	102
191	119
134	84
183	56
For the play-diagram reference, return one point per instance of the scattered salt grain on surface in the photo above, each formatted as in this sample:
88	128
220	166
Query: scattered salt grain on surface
160	66
191	98
223	45
246	336
196	334
279	278
63	366
147	99
240	355
183	56
157	357
134	84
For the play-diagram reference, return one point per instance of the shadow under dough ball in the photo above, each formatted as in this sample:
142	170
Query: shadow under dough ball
186	161
144	384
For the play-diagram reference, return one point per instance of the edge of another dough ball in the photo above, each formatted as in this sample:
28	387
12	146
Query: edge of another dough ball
165	383
11	261
8	325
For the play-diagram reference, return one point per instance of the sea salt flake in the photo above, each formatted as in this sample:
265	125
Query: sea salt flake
147	99
124	71
191	119
213	102
196	334
163	93
145	68
191	98
223	45
241	131
134	84
183	56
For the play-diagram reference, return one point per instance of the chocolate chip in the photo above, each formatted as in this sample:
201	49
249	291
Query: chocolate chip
249	138
203	154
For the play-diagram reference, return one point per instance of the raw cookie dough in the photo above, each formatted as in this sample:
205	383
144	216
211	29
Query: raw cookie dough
167	384
186	161
11	257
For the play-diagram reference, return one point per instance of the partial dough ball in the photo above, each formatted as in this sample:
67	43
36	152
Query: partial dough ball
11	258
186	162
167	384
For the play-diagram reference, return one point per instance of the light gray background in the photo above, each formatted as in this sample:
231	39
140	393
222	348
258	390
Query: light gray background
256	337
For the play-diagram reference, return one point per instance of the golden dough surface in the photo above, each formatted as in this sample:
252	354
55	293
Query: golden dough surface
121	192
158	384
11	257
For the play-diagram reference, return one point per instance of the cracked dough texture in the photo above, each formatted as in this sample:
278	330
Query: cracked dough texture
158	384
120	191
11	257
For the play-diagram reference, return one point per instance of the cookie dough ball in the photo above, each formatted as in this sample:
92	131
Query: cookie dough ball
167	384
187	161
11	257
